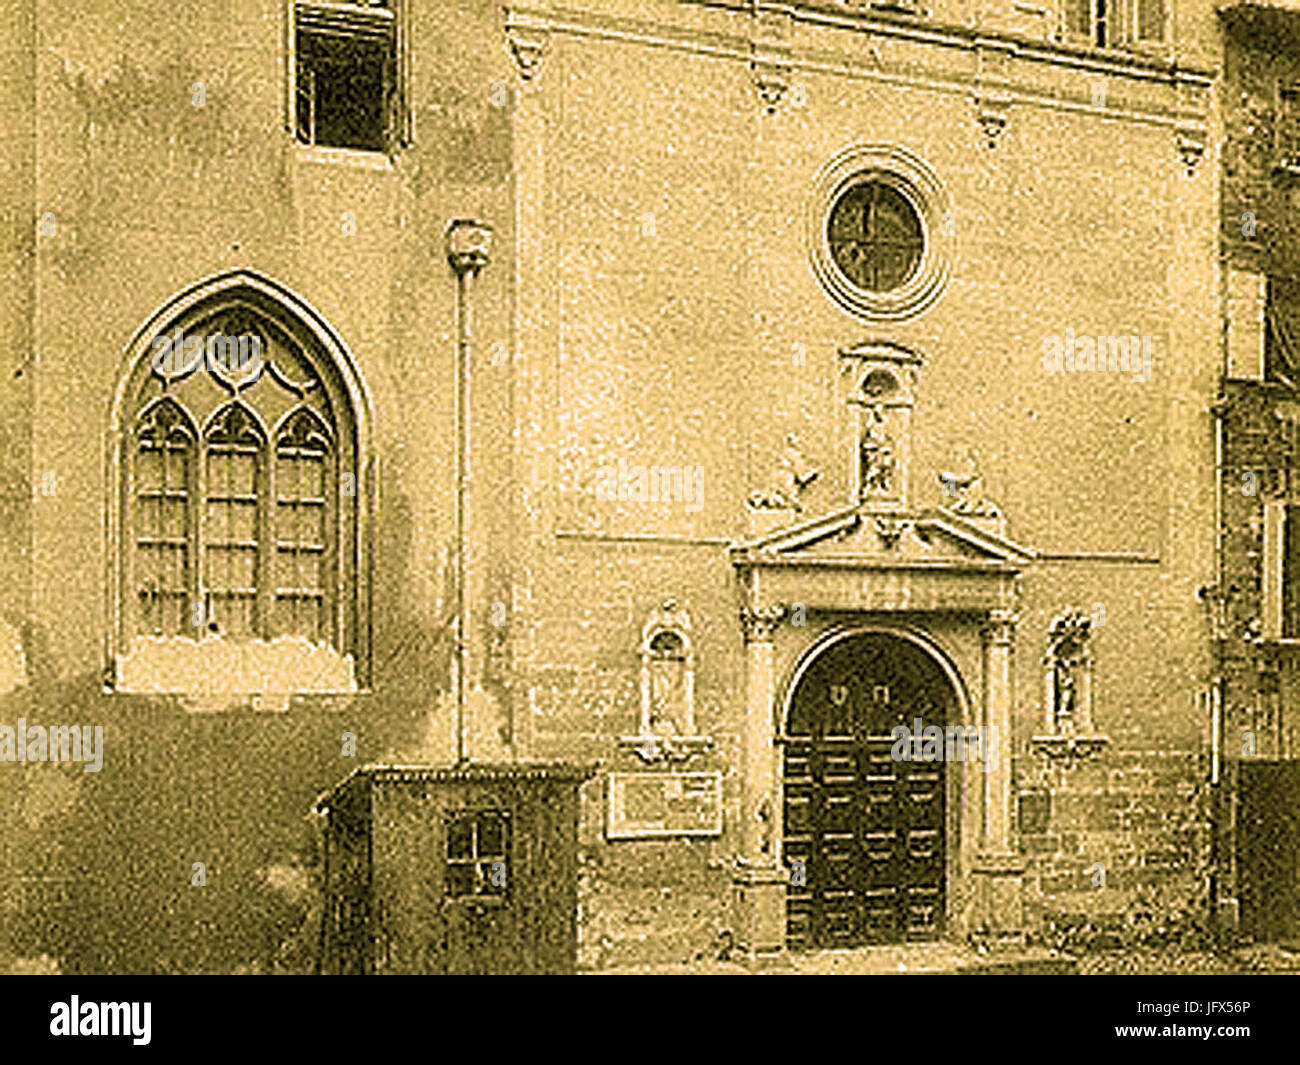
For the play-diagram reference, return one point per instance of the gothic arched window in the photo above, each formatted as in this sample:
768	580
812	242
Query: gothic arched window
239	518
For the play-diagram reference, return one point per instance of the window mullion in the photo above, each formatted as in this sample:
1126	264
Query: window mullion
332	569
266	541
197	506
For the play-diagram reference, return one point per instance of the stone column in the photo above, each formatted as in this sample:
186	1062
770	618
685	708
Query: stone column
999	870
759	882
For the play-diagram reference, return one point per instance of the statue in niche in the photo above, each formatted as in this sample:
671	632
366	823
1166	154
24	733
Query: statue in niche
1067	646
666	732
1064	711
876	456
667	668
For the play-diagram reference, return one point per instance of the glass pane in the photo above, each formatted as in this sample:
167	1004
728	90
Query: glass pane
149	470
460	838
492	836
175	514
460	880
492	878
1078	17
234	614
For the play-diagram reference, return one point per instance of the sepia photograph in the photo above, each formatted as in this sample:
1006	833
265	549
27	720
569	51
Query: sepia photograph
650	487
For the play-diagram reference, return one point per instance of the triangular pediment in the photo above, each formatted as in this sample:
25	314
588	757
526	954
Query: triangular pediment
935	537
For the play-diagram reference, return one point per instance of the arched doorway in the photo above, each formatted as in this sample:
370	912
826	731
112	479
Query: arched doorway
864	830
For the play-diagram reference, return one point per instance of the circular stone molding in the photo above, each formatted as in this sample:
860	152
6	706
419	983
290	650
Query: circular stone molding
913	179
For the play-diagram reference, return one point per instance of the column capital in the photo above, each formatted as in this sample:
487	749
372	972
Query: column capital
759	623
1000	626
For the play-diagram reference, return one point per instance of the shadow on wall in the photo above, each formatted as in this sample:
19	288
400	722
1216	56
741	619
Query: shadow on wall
192	849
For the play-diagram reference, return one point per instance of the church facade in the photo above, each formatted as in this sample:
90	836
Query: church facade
840	463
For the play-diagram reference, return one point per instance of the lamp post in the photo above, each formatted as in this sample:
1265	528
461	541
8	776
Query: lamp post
468	243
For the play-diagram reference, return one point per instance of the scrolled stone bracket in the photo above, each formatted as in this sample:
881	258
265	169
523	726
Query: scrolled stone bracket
769	55
528	37
1189	141
992	112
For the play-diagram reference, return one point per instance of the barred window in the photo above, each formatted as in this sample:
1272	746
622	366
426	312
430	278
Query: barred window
478	854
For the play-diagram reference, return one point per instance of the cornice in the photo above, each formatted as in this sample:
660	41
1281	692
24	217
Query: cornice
998	69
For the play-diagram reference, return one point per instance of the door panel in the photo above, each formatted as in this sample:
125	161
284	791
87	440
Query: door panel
864	833
1268	848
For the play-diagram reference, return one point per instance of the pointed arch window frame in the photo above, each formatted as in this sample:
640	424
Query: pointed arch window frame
349	576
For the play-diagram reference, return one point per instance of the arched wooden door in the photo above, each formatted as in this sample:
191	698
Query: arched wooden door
864	832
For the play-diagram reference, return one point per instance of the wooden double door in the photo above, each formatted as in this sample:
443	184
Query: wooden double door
864	831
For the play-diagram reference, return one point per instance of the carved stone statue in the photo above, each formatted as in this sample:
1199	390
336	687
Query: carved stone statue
791	477
876	456
1067	654
963	491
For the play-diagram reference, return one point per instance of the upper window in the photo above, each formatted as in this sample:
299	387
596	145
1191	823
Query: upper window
239	519
1280	577
1115	23
1282	331
880	232
348	75
1286	135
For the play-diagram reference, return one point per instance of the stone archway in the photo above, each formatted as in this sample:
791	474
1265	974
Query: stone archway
892	571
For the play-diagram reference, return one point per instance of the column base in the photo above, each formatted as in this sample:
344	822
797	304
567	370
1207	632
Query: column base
999	902
758	914
1227	917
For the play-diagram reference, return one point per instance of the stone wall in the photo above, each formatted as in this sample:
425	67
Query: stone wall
1119	846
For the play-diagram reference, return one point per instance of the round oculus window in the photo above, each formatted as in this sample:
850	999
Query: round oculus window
875	236
881	232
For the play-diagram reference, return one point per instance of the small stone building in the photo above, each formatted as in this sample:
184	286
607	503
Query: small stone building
451	871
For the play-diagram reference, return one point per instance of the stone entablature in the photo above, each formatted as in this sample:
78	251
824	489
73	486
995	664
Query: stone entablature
999	69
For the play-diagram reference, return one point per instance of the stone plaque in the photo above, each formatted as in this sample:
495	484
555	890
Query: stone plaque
645	805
